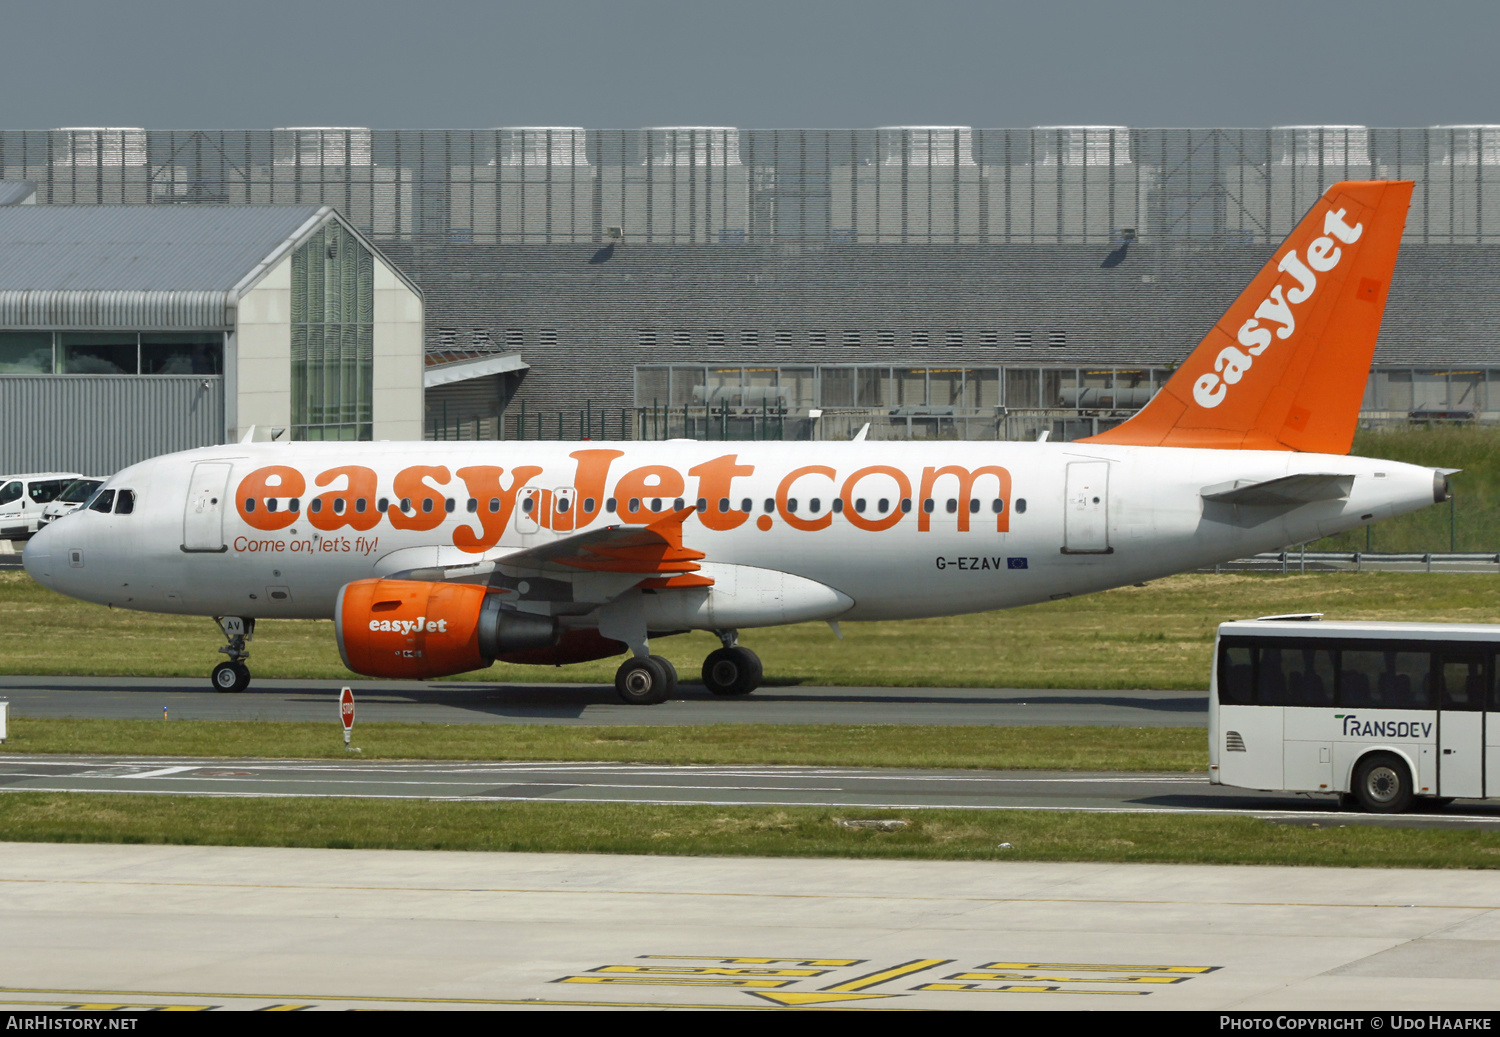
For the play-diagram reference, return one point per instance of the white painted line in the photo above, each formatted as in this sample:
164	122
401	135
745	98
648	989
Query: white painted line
156	773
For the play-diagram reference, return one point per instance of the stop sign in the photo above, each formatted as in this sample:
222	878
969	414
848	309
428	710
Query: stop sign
346	708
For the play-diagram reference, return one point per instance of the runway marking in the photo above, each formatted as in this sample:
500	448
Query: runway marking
832	963
1263	815
855	989
372	999
162	772
974	988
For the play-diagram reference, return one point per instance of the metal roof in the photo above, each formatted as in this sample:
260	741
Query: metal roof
17	192
141	248
478	367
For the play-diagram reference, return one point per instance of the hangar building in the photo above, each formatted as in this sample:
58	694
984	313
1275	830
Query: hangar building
132	330
937	280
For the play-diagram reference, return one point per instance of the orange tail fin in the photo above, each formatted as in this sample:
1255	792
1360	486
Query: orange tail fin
1285	368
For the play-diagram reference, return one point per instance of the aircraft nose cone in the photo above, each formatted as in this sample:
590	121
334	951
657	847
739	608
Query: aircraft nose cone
37	557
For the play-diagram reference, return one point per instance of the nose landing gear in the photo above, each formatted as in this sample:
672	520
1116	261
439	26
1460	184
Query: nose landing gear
234	675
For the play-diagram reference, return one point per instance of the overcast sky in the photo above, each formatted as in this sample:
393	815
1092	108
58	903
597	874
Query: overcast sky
771	63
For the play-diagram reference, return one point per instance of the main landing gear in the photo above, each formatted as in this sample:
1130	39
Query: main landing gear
731	670
645	680
234	675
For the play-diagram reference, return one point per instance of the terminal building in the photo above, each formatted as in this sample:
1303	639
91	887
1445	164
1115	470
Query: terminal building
128	331
933	281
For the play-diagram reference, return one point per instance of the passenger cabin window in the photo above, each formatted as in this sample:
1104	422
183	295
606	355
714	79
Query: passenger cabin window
47	490
1350	674
125	502
104	503
1464	682
1236	676
1293	676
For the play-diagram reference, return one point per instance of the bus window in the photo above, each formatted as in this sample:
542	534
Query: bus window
1388	680
1294	676
1465	681
1236	676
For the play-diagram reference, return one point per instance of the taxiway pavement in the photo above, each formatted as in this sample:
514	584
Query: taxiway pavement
236	927
739	785
454	702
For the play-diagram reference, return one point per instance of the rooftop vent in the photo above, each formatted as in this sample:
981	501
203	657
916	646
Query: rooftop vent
115	146
1471	145
1082	145
1329	145
322	146
543	146
926	145
694	145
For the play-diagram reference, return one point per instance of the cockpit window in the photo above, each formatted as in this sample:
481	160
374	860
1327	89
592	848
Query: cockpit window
104	503
78	491
10	491
125	502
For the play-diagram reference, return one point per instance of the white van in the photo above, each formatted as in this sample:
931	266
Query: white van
70	500
22	498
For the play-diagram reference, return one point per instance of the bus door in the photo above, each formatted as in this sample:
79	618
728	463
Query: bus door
1463	686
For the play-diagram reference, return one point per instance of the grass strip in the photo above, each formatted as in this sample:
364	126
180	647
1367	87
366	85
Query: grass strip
1157	636
728	831
872	745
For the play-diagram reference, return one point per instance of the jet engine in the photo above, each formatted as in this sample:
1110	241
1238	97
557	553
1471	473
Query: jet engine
415	630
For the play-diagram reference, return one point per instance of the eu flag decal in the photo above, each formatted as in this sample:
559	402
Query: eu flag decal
1015	563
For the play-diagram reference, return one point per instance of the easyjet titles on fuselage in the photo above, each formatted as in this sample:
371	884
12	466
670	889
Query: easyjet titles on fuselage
270	498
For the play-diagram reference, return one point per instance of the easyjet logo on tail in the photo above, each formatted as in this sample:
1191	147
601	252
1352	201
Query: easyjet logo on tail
1276	310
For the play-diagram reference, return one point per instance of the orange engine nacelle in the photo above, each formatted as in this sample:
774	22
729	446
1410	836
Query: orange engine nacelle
414	630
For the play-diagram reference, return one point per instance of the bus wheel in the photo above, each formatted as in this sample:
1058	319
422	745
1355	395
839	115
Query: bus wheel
1382	783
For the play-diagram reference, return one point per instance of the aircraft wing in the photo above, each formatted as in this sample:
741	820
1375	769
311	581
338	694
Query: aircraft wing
1287	492
653	552
572	575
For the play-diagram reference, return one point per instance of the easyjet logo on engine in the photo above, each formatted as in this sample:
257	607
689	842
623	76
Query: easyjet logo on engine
1276	310
420	625
423	497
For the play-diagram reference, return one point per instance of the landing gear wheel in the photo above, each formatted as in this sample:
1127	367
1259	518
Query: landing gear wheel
666	664
1382	783
231	677
642	682
732	671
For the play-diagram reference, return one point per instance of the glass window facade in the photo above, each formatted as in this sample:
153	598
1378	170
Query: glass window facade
112	352
333	336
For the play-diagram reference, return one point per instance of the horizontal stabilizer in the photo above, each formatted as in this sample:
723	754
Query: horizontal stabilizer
1288	491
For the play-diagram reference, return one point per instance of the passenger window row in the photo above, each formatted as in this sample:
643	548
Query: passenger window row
611	505
1367	675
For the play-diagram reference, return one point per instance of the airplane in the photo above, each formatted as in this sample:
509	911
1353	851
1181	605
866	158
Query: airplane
441	558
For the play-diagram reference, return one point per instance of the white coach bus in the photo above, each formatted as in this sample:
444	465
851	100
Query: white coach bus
1381	712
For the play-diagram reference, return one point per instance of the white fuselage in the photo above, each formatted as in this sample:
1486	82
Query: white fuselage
1080	517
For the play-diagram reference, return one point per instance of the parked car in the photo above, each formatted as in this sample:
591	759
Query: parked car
73	497
22	498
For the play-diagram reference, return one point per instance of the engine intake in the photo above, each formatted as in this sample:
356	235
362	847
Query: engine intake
415	630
